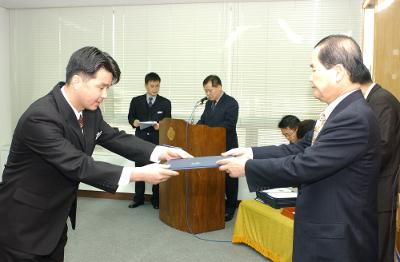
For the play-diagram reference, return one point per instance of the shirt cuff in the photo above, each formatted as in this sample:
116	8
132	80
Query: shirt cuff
125	176
155	155
251	155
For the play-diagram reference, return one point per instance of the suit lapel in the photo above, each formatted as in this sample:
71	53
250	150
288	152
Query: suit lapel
88	130
372	92
156	102
67	113
344	104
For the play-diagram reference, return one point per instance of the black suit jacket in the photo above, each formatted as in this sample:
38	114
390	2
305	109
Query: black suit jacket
336	218
225	114
387	109
48	158
139	109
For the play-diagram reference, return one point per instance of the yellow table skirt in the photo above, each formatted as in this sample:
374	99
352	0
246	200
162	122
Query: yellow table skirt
265	229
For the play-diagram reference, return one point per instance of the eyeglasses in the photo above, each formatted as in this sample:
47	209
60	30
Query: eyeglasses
289	134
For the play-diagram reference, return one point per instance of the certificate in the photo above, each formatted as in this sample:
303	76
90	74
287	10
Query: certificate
195	163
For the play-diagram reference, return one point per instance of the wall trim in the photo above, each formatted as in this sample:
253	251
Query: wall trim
106	195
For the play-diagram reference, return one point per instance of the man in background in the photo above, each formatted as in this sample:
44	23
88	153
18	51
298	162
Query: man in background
305	126
387	110
222	110
337	165
293	129
289	125
50	155
148	107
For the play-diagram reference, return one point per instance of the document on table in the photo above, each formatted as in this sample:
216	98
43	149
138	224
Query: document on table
285	192
146	124
195	163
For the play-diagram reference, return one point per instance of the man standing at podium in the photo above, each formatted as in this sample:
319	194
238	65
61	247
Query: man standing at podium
222	110
148	107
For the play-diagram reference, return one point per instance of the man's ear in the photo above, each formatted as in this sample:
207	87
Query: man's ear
340	72
76	81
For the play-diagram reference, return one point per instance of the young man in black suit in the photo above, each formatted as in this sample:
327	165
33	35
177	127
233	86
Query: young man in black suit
337	165
50	155
222	110
148	107
387	110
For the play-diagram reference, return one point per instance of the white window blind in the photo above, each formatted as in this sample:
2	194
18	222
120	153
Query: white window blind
260	50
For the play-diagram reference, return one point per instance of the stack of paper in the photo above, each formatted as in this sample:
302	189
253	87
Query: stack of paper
146	124
284	192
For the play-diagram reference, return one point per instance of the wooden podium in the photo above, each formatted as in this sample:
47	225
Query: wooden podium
194	201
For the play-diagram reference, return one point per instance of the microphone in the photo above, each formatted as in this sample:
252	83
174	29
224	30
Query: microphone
198	103
202	100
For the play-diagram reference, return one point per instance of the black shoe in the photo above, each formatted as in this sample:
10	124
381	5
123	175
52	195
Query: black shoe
135	204
229	216
155	205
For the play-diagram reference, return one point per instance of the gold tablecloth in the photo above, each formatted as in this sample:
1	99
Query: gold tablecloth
265	229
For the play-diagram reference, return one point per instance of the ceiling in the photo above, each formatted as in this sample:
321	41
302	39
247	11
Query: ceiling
11	4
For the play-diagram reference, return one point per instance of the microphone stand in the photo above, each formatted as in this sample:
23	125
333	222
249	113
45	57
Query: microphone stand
191	117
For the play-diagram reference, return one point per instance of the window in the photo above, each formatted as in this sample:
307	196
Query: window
260	50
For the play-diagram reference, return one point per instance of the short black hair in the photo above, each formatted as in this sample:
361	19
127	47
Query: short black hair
289	121
88	60
215	80
342	49
366	77
152	77
305	126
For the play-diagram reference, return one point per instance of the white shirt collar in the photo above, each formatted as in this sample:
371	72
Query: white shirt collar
329	109
77	114
369	90
148	96
216	101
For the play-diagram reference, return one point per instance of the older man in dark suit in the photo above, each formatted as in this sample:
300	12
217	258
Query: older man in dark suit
50	155
387	110
337	165
222	110
148	107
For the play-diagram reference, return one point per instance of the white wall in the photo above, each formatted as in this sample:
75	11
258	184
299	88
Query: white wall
5	97
368	38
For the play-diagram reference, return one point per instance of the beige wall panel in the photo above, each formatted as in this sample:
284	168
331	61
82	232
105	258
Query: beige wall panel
387	48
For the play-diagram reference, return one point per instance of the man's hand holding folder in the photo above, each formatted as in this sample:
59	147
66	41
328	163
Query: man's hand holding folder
235	163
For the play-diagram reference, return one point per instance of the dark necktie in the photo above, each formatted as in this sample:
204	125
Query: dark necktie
150	102
213	105
80	121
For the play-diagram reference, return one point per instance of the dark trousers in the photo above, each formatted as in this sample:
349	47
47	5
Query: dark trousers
231	192
140	186
387	235
11	255
139	192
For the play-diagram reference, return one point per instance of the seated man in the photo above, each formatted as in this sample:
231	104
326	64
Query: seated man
293	129
289	125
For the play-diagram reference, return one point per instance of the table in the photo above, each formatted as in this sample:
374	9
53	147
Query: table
265	229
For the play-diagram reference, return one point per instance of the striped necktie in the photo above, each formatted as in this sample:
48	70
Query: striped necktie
150	101
318	126
80	120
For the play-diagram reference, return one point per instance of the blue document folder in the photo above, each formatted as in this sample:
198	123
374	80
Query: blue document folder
195	163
